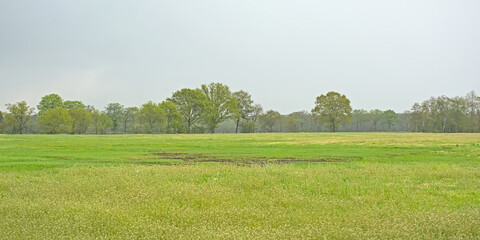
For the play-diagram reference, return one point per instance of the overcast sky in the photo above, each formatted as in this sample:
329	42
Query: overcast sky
380	54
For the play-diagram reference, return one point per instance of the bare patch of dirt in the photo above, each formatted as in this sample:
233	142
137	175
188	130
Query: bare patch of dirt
196	157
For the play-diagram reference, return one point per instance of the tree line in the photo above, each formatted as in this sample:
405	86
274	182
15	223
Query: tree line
215	108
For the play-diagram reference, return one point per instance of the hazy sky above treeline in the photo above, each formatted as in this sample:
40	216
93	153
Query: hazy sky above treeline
380	54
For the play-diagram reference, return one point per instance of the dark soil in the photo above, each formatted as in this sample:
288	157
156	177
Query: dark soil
196	157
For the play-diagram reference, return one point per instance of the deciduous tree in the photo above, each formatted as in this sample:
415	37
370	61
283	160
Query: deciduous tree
101	122
152	115
191	103
174	119
291	124
269	119
376	116
389	117
359	116
250	125
54	121
114	112
332	109
50	101
81	120
244	108
220	104
128	115
73	104
20	114
2	115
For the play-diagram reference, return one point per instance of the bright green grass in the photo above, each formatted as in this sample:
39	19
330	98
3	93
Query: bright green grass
423	186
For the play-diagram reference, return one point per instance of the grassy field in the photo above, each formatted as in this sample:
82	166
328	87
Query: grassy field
245	186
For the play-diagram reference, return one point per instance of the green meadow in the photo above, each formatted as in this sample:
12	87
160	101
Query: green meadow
240	186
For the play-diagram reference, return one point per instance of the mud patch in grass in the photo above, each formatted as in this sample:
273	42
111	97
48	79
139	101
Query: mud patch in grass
196	157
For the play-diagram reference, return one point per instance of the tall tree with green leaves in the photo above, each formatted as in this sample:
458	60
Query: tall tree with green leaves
152	116
472	101
54	121
359	116
20	114
101	122
291	123
73	104
269	119
389	117
174	119
221	104
81	120
1	121
114	112
191	104
332	109
128	115
305	121
50	101
250	125
375	116
244	108
404	120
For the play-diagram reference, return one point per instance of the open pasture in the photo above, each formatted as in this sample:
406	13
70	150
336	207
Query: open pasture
240	186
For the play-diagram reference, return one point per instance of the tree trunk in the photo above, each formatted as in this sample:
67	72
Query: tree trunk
189	126
236	129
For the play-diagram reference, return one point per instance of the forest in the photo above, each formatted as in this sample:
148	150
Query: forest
214	108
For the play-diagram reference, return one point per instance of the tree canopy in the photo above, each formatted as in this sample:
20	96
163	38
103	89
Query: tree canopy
54	121
221	104
332	109
20	114
214	107
191	104
50	101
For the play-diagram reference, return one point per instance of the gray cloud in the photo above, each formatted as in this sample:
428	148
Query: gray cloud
381	54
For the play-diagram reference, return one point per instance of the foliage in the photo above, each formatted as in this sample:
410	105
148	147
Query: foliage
191	104
128	116
221	104
444	114
291	124
332	109
213	107
50	101
101	122
250	124
9	124
174	119
2	116
54	121
269	119
20	114
359	116
376	116
81	120
244	109
73	104
153	116
114	111
389	117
